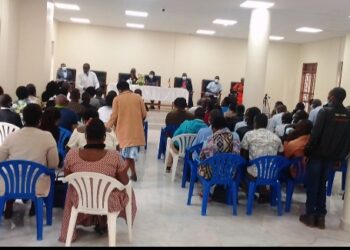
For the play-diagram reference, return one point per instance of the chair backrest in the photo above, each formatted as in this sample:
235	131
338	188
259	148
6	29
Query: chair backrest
269	168
20	178
93	190
224	167
62	142
299	169
194	149
184	141
169	131
5	130
178	81
205	84
123	77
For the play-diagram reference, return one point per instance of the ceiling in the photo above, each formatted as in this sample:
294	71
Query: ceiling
187	16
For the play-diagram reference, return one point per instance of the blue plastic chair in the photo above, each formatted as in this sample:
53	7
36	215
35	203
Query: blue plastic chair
145	128
269	168
165	133
300	168
331	176
62	142
226	169
20	178
189	162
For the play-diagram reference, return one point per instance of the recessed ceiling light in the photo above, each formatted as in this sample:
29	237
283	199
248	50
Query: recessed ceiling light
309	30
225	22
276	38
136	13
66	6
135	25
79	20
206	32
257	5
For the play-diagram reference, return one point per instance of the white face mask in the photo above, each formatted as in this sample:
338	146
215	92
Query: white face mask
184	78
217	80
151	76
64	68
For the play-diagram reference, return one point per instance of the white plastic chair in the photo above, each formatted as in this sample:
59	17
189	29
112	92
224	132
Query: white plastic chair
5	130
96	202
184	141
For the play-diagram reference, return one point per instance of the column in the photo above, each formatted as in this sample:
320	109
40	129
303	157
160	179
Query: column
258	42
345	220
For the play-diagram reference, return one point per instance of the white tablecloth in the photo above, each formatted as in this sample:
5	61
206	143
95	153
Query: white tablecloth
167	95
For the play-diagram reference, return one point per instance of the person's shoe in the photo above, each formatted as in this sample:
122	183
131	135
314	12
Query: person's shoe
100	231
133	178
320	222
8	214
168	169
307	220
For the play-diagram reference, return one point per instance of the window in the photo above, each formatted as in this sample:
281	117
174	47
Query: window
308	81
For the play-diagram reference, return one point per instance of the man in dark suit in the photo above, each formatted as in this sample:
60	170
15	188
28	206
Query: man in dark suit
6	115
63	74
186	83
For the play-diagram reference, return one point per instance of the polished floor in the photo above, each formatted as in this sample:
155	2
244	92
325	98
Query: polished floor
164	219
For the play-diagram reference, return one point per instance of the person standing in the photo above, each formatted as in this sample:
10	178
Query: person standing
186	83
87	79
151	80
316	107
128	114
329	144
63	74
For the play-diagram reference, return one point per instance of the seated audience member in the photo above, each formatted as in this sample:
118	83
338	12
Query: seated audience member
225	105
78	140
280	130
316	107
95	158
258	143
274	111
22	102
50	122
200	104
93	100
295	143
32	95
69	119
75	105
51	91
139	92
6	114
242	123
276	120
231	113
31	144
99	97
238	117
1	91
249	119
151	80
179	114
86	101
192	126
64	89
209	106
299	107
222	141
106	111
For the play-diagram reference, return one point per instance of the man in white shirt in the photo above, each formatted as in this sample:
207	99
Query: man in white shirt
87	79
214	88
316	107
276	120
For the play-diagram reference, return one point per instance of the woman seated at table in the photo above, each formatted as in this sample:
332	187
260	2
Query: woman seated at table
94	158
152	80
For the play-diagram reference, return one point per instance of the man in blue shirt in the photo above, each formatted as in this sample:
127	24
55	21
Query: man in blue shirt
69	120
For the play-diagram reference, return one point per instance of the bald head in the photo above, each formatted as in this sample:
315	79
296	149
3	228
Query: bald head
61	100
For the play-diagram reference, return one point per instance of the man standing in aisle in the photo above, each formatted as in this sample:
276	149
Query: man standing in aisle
328	146
87	79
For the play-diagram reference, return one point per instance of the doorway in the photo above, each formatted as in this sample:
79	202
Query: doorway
308	82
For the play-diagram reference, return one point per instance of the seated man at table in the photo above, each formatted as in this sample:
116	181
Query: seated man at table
214	88
179	114
186	83
151	80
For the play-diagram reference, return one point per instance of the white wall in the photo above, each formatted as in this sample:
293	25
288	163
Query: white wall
169	54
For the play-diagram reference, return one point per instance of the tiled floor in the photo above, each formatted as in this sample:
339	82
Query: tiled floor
164	219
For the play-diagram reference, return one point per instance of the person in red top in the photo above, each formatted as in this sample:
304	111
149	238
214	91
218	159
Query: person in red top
238	88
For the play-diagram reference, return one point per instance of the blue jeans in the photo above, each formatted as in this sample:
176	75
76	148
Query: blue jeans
316	179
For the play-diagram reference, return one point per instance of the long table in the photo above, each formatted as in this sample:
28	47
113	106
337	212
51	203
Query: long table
161	94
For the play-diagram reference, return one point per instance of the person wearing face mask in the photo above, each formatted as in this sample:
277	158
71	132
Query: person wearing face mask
214	88
63	74
186	83
151	80
87	79
133	78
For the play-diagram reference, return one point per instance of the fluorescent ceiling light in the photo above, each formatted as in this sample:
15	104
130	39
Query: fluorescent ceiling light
276	38
135	25
66	6
225	22
257	5
136	13
206	32
79	20
309	30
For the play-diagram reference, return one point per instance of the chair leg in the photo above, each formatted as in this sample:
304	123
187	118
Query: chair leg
289	195
234	196
174	167
129	218
71	227
39	203
343	179
330	182
2	207
184	174
206	190
251	193
112	229
279	199
190	191
49	206
273	196
167	153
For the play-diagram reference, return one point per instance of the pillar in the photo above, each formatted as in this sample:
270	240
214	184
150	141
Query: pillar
258	42
345	220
